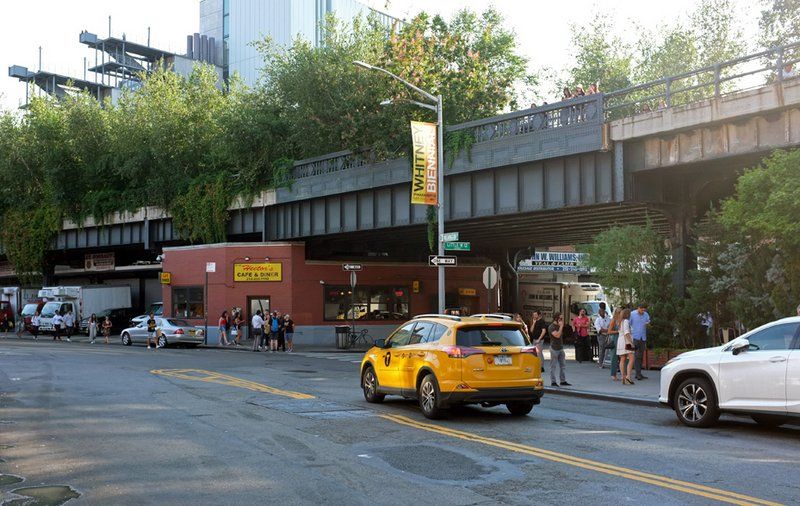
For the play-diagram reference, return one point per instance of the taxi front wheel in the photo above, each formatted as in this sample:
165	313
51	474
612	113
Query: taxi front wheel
369	383
429	396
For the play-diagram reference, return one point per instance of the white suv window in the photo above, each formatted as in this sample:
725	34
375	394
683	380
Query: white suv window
777	337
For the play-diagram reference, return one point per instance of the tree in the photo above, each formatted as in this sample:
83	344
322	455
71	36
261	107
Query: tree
329	104
779	22
600	56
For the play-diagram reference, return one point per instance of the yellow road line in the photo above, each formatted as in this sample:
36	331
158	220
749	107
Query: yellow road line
224	379
631	474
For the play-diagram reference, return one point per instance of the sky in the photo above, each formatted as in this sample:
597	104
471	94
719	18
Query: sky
542	27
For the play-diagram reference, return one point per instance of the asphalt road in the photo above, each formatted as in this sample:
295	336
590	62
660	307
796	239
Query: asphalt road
180	426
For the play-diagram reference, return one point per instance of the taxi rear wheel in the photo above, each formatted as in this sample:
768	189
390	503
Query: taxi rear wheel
429	397
369	383
519	408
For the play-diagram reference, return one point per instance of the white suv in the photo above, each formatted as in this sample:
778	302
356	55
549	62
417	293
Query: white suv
757	374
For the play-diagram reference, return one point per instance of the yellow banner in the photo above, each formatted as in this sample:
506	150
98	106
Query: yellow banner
265	271
424	174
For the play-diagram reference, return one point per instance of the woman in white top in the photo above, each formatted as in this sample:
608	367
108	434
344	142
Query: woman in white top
625	348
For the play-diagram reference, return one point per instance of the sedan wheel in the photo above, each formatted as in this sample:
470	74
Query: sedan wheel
369	383
695	403
162	341
428	396
126	339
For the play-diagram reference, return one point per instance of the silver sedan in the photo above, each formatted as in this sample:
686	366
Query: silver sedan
168	330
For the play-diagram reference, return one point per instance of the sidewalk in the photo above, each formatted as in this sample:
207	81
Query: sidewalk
589	381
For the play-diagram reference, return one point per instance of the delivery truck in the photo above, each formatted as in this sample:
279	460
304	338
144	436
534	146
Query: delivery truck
82	301
567	298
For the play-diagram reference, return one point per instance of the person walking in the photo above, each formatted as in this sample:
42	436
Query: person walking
557	356
625	348
236	330
151	331
274	329
538	331
639	321
58	324
613	337
257	323
281	332
91	326
36	320
107	328
601	324
580	326
288	329
69	323
223	328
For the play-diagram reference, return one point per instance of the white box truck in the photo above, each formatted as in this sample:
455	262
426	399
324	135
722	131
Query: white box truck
82	301
567	298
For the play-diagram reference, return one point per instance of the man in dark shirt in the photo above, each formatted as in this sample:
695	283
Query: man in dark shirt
557	356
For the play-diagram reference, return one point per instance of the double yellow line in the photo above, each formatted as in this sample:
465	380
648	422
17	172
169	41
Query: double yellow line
224	379
591	465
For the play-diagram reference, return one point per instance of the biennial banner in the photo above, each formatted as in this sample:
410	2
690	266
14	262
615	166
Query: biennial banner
424	176
267	271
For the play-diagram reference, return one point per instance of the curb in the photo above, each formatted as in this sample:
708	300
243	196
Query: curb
604	397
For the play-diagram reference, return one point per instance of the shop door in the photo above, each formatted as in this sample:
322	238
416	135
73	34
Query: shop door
256	303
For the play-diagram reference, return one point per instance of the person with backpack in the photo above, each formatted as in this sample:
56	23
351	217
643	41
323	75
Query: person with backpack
274	330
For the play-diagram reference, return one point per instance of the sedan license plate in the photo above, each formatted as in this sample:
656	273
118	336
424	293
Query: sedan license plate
502	360
192	332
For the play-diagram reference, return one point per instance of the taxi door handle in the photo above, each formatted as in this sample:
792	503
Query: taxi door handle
775	360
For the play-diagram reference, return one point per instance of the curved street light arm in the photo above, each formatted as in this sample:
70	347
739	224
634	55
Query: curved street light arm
394	76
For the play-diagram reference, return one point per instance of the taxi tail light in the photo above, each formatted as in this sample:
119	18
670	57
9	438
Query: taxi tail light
179	331
530	349
462	351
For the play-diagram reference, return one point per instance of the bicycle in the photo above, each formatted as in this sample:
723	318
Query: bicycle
354	338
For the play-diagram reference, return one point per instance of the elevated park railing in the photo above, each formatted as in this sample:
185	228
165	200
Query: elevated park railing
740	74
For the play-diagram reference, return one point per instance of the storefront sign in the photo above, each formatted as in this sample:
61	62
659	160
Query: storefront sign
415	286
551	261
424	174
467	292
265	271
166	278
98	261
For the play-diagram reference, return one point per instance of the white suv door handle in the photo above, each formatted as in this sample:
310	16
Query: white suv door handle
775	360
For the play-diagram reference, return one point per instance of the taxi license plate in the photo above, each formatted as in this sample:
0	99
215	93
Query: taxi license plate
192	332
502	360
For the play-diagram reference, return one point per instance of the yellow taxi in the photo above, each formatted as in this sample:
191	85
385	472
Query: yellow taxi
442	360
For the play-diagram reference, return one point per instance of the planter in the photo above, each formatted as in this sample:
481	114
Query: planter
658	357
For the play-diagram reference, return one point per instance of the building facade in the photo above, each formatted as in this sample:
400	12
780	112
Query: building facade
237	23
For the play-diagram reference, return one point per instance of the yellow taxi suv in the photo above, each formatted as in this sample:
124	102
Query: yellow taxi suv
444	360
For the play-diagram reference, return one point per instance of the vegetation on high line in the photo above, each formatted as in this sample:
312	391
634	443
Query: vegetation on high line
189	147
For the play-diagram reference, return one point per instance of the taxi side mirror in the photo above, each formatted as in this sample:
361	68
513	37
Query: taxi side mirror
380	343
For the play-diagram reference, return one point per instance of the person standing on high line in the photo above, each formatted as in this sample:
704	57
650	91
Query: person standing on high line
640	320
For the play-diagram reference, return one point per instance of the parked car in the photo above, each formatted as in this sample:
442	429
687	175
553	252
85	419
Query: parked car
120	319
169	330
28	310
757	374
444	360
157	308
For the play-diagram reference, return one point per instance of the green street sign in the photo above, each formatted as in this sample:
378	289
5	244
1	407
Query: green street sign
449	237
457	246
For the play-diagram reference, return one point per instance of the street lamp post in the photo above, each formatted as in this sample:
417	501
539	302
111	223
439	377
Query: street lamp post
435	104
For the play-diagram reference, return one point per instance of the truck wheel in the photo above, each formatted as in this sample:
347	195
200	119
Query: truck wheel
696	403
126	339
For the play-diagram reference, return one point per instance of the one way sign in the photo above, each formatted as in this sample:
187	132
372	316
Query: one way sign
443	260
352	267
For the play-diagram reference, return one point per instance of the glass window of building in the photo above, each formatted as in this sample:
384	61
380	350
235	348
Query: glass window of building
187	302
369	303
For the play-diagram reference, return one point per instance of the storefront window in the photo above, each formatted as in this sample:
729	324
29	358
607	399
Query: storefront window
187	302
369	303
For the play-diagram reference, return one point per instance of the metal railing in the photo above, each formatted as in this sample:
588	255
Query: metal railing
740	74
580	111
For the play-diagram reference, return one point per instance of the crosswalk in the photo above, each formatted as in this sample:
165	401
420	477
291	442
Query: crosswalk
353	358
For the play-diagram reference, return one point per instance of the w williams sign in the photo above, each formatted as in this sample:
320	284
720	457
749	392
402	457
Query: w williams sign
551	261
424	186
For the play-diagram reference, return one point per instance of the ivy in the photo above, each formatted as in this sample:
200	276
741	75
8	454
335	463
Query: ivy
201	214
457	142
26	236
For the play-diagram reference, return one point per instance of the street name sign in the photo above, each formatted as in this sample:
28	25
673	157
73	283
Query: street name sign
456	246
352	267
449	237
442	260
